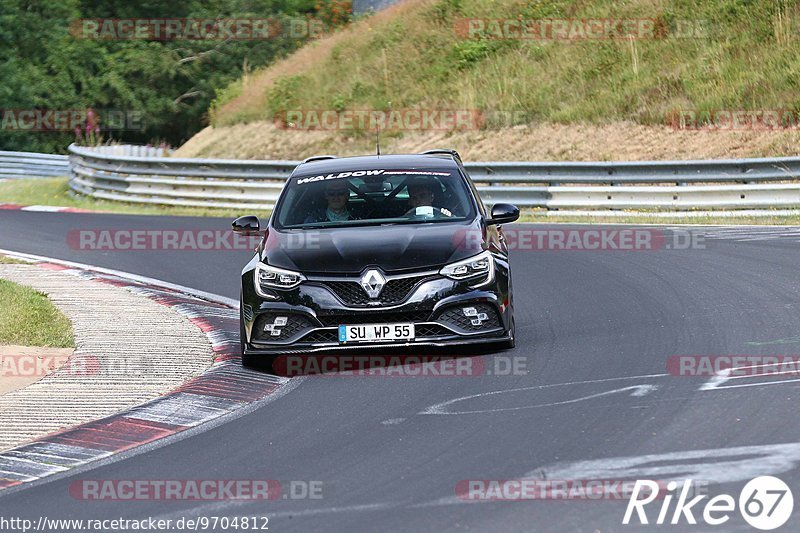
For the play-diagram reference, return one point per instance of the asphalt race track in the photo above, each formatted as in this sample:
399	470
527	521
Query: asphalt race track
595	330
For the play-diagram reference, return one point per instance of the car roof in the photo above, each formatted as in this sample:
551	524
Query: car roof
367	162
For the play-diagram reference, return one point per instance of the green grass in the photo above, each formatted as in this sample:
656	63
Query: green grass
4	260
28	318
746	57
56	191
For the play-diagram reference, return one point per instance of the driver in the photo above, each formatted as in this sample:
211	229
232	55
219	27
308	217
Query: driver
421	194
337	196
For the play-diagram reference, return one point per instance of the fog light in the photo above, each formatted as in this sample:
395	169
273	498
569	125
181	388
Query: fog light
476	318
277	323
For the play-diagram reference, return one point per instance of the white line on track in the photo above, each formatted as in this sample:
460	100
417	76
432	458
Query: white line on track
135	277
638	390
715	465
724	376
42	208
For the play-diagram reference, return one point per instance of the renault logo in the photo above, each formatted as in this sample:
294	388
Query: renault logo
372	282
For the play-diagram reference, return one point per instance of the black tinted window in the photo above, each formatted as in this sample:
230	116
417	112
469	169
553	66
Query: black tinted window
374	197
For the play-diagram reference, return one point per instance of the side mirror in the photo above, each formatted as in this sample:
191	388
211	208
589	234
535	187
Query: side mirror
246	224
503	214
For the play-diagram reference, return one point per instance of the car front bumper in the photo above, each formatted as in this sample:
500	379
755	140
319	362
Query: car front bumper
312	314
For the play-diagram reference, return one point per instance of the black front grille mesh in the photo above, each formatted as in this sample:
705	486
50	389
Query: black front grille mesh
395	290
321	335
349	292
301	328
374	318
431	330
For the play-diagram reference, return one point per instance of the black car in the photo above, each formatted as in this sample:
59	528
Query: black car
377	251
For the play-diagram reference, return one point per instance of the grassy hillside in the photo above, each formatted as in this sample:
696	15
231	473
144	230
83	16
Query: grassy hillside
744	55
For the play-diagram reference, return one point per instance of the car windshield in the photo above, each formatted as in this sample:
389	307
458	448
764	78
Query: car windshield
380	196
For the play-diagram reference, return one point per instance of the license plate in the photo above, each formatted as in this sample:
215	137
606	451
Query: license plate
376	332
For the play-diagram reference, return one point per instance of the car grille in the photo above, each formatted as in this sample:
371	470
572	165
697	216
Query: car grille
374	318
294	325
395	291
456	316
431	330
322	335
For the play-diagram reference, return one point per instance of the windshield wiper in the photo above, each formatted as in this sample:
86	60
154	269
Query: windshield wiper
311	226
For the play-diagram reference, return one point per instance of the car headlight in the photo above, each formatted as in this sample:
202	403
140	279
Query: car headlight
479	268
270	277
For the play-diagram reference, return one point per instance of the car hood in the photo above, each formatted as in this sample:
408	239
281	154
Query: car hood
392	248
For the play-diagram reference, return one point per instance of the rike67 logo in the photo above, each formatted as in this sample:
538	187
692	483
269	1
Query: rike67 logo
765	503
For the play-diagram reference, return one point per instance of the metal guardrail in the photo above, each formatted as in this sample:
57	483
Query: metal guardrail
14	165
251	184
174	181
